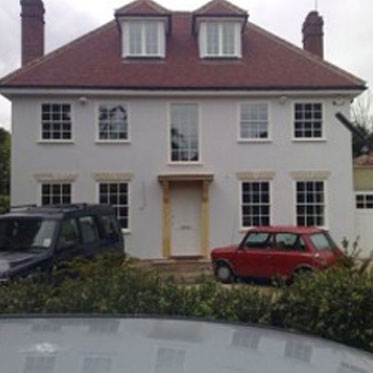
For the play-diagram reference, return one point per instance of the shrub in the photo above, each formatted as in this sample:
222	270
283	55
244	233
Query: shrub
4	203
336	304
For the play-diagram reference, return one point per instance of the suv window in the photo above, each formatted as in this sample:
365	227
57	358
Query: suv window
257	240
69	235
89	229
110	227
289	242
25	234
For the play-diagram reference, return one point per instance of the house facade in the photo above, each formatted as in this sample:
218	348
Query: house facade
195	126
363	183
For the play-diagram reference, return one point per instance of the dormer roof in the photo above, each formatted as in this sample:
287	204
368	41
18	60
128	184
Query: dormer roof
220	8
142	8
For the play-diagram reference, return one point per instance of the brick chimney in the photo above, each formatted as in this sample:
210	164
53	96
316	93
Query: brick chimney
32	19
313	34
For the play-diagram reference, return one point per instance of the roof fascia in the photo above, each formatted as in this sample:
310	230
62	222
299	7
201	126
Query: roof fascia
283	94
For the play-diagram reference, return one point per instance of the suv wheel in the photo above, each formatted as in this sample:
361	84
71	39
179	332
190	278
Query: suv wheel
224	273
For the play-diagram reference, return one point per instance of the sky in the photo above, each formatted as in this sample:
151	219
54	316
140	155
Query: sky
348	28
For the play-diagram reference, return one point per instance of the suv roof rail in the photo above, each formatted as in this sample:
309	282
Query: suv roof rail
61	207
57	208
21	207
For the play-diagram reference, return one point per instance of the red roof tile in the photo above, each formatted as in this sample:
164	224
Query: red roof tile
220	7
94	61
365	160
142	7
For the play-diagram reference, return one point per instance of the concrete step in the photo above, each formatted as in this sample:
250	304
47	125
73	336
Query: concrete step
183	271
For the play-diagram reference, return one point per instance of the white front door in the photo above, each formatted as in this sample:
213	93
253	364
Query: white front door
186	202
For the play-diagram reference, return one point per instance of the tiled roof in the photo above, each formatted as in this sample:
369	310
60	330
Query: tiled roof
268	62
365	160
142	7
220	7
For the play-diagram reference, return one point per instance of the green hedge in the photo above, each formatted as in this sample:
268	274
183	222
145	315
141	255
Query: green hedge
337	304
4	203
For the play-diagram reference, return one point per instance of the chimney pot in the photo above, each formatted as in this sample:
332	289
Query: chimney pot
32	22
313	34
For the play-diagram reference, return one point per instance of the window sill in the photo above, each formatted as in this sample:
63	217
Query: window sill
322	139
184	163
234	57
254	141
56	142
113	142
156	57
126	231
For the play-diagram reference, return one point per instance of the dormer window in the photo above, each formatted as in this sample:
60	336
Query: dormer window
144	38
219	26
144	25
221	39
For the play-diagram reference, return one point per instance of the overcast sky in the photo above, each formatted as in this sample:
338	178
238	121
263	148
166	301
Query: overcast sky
348	28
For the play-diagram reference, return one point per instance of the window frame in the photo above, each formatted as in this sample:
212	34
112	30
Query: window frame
326	221
298	246
267	139
268	245
34	362
66	247
96	229
40	139
323	138
129	209
88	359
161	47
199	131
97	123
270	184
363	193
203	39
52	182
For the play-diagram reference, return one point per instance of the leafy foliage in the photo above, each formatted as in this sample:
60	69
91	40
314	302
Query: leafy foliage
362	117
5	141
337	304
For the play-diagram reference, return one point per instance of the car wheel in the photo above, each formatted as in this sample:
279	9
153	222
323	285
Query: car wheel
224	273
301	272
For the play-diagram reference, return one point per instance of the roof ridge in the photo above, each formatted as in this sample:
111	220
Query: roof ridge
228	4
151	3
309	55
39	61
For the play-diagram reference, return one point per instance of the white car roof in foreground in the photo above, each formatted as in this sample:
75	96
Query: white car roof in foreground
141	345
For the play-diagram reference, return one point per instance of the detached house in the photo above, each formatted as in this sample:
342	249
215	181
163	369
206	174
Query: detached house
194	125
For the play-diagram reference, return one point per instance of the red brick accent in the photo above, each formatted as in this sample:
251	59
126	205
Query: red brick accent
313	35
32	18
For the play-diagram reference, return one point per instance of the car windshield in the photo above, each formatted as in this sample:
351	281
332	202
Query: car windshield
322	241
26	234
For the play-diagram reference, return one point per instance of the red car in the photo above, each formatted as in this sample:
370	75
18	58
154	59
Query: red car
271	252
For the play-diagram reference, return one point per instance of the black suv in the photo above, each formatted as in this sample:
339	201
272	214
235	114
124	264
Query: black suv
35	238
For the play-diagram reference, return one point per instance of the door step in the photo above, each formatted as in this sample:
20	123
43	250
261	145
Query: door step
181	270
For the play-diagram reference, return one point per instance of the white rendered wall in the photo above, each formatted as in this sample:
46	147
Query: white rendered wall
146	156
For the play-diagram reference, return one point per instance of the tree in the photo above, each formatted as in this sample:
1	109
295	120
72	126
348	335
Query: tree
5	143
362	118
